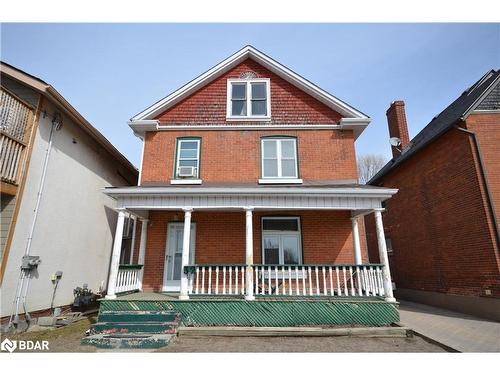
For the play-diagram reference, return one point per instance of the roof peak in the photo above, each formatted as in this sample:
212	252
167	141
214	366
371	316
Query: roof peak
249	51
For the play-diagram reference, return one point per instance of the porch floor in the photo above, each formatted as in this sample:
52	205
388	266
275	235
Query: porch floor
172	296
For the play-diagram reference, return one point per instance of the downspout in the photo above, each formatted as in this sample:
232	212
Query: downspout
24	277
484	180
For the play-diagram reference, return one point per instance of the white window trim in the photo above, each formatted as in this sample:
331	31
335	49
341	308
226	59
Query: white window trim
248	116
279	179
278	232
186	181
177	159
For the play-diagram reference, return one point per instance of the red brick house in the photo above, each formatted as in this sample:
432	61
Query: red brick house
442	226
248	194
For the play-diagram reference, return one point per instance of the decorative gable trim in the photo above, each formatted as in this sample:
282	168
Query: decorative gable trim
356	125
249	52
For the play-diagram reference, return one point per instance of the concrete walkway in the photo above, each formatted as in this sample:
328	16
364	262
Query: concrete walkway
461	332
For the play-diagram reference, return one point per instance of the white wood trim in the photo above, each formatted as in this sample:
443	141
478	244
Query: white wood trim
186	182
248	99
249	52
357	126
277	181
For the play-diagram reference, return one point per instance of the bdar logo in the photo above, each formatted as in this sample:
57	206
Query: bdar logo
8	345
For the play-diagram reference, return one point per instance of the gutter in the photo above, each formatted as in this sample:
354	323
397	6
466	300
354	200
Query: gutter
484	179
375	193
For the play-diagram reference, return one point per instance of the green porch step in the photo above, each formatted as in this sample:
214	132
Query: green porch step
129	341
137	316
130	327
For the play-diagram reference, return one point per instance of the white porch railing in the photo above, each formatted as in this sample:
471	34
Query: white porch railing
128	278
288	280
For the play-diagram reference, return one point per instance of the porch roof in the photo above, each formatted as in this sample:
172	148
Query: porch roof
308	196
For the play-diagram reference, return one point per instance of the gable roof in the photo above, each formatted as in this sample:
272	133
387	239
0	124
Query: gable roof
458	110
249	52
52	94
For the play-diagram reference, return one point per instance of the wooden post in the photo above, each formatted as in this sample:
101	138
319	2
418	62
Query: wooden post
355	235
249	255
382	251
115	256
185	253
142	249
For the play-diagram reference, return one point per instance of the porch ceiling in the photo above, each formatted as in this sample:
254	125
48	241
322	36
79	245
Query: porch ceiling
330	197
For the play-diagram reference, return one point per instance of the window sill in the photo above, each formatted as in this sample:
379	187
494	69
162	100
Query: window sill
249	118
185	182
280	181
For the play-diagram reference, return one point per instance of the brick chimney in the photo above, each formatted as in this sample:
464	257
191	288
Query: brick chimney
396	118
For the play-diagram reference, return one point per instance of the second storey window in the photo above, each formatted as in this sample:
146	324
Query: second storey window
188	158
279	158
248	99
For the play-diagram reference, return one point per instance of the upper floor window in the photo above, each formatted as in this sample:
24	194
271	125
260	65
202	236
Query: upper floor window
279	158
187	164
248	99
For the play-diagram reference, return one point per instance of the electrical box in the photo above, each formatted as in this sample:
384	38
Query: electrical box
30	262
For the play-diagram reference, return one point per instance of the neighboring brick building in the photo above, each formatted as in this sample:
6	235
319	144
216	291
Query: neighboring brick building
442	226
261	165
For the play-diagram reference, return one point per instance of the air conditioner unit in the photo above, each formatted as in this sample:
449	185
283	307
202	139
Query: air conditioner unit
186	172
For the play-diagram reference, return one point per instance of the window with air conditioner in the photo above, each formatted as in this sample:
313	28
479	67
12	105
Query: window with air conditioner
248	99
187	165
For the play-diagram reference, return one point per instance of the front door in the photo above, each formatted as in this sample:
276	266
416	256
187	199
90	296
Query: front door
173	256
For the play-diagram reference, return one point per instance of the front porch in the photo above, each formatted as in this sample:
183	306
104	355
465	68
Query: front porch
213	246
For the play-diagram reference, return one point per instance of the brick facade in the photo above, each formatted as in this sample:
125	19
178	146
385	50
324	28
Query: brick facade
439	223
220	239
233	157
289	105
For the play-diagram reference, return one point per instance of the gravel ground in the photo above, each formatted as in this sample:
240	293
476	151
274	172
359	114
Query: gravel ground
300	344
67	339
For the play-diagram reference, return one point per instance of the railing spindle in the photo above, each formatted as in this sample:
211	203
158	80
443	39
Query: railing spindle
297	287
345	281
317	280
197	279
303	282
324	282
242	269
276	280
210	280
353	293
331	280
339	293
230	279
310	281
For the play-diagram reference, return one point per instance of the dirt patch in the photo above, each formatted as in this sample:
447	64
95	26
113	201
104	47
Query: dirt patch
300	344
65	339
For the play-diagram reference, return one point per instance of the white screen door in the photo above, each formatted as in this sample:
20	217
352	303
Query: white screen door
173	256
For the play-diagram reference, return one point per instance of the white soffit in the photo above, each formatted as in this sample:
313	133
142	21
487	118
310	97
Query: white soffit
249	52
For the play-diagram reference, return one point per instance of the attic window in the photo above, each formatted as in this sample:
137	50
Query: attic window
248	99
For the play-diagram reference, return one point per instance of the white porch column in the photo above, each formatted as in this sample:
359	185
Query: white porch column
142	249
249	255
115	256
355	235
185	253
382	251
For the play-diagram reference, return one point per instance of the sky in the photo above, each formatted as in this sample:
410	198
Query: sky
110	72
